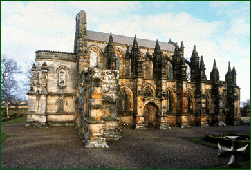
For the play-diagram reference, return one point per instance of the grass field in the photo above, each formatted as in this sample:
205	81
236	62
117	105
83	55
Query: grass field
17	120
200	140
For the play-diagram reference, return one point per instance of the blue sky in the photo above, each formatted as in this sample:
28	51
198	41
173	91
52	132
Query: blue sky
219	29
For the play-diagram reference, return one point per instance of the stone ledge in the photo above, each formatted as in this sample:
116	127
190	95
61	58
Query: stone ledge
140	127
61	113
98	142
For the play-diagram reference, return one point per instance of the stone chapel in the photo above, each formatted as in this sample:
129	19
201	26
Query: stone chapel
112	81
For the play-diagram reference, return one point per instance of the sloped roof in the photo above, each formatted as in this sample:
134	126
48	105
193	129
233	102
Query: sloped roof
121	39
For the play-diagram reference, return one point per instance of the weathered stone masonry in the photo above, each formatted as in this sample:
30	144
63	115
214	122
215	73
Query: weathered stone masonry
111	82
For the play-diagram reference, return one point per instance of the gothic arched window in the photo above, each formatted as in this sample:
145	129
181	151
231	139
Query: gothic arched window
148	68
124	102
61	104
189	104
170	72
170	101
93	59
207	104
188	73
148	92
62	77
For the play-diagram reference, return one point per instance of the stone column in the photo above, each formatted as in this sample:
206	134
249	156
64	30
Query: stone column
181	105
94	128
139	105
110	90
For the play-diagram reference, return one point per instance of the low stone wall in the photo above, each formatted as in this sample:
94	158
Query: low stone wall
126	122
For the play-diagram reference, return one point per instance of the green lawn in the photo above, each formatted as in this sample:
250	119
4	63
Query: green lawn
4	137
17	120
201	140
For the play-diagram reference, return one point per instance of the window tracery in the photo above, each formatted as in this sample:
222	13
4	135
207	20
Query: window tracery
189	103
62	77
170	76
124	101
61	104
93	59
148	91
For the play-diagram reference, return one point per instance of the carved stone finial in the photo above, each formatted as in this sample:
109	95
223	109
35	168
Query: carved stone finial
194	48
135	43
229	68
182	45
110	38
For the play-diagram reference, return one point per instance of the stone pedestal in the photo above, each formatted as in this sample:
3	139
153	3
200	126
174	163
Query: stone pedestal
140	122
163	122
94	135
203	120
95	142
182	121
112	130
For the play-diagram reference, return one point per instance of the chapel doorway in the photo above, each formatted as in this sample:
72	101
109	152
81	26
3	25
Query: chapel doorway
150	115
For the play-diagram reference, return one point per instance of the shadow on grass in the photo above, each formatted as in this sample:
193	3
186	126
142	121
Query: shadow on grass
3	137
17	120
236	165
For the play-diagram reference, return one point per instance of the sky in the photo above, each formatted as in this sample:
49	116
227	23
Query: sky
219	29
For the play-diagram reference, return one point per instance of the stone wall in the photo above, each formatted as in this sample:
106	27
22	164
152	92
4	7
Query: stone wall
53	89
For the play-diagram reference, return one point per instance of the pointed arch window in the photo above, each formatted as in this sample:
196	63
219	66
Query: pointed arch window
93	59
189	104
170	71
62	78
148	92
124	102
61	104
208	104
188	73
148	68
170	101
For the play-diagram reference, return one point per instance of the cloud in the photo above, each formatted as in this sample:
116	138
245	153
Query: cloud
41	17
51	25
220	3
99	11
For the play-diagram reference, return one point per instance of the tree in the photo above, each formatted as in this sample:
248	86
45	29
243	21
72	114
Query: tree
245	109
26	82
8	83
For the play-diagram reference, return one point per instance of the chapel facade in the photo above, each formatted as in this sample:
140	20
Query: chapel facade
112	81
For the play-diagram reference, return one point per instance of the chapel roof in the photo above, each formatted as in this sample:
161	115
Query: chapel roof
121	39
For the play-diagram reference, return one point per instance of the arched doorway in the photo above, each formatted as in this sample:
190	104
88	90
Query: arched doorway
150	115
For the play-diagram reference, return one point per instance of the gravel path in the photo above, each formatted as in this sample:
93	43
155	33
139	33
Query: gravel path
60	147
